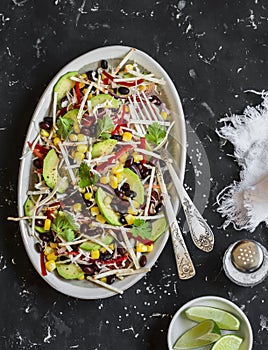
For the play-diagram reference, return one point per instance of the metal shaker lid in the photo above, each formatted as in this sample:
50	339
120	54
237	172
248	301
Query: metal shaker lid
247	255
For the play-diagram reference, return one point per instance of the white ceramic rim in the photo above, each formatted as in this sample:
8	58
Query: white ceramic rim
209	298
109	52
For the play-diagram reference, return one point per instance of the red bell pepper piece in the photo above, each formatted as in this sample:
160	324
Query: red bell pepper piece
39	151
107	75
130	83
117	155
78	93
42	264
120	121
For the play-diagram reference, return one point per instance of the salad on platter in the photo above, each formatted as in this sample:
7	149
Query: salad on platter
94	206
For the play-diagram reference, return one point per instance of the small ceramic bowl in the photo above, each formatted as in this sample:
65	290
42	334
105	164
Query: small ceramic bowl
180	323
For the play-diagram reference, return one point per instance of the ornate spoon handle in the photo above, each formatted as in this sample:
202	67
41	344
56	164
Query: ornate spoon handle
184	263
201	233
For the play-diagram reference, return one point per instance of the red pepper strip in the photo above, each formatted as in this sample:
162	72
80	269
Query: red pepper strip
130	83
107	75
117	155
43	265
78	94
39	151
120	121
73	253
140	239
143	146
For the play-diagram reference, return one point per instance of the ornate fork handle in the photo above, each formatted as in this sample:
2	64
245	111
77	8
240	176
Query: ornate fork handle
201	233
184	263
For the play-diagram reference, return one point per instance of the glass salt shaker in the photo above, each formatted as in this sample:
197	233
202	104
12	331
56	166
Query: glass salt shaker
246	263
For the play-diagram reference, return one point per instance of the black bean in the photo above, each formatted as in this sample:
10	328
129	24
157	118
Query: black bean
110	279
39	222
44	237
84	228
158	207
119	193
48	120
38	163
125	186
122	90
86	131
123	220
155	100
143	260
121	250
92	75
89	270
38	247
104	64
106	256
145	173
154	194
45	125
117	137
131	194
129	162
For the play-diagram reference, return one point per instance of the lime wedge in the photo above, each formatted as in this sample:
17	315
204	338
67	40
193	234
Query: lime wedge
228	342
205	333
224	319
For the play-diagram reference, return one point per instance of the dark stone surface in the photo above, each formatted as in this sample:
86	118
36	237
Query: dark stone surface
214	51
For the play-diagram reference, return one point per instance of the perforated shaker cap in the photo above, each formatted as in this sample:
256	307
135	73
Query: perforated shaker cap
247	256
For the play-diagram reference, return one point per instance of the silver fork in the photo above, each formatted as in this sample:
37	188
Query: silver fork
201	233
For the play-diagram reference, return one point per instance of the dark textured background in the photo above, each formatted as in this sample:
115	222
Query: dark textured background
214	51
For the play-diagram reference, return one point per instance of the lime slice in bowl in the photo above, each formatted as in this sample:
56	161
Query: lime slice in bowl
225	320
204	333
228	342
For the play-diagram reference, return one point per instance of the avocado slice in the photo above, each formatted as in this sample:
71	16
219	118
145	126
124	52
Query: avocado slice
110	215
103	148
102	98
50	171
64	84
135	184
159	226
28	211
69	271
94	246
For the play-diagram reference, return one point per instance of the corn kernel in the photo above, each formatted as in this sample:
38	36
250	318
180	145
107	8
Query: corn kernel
81	137
53	245
51	256
104	180
142	87
123	158
103	279
77	207
76	127
119	177
164	114
100	219
137	157
78	157
81	278
73	137
82	190
95	254
150	247
107	200
113	181
44	133
103	250
81	85
47	224
56	141
132	211
141	248
84	76
117	169
130	219
111	246
94	211
50	265
82	148
48	250
128	67
127	136
88	196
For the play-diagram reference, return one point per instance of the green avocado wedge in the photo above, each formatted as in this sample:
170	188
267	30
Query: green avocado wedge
69	271
106	100
106	210
103	148
135	184
64	84
94	246
28	211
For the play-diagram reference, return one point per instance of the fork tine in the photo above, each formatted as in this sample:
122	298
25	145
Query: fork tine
133	112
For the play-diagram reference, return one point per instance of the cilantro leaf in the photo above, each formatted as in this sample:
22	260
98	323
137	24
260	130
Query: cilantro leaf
87	178
155	133
65	225
65	126
104	127
141	228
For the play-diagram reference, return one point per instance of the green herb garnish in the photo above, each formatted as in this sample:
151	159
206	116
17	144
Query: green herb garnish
65	126
155	133
87	178
65	226
141	228
104	127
